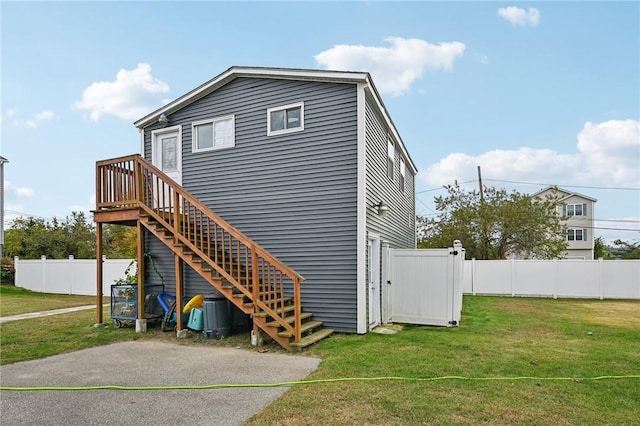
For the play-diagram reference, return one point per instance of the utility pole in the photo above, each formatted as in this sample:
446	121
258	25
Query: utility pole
480	183
2	161
485	242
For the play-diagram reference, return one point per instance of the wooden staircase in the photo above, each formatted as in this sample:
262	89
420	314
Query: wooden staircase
131	190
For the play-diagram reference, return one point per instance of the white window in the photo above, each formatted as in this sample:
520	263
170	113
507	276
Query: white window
212	134
575	210
402	174
391	156
285	119
576	234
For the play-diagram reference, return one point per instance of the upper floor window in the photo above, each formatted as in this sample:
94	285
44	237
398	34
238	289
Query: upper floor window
402	174
285	119
391	156
576	234
575	210
214	133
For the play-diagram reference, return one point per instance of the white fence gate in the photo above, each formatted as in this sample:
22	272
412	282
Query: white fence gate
425	286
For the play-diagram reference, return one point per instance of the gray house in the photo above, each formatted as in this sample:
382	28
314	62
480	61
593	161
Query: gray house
306	165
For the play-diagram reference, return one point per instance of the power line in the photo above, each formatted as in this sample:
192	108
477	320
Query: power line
622	188
565	186
443	187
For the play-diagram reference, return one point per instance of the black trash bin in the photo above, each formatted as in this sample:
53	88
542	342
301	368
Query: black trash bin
217	317
240	322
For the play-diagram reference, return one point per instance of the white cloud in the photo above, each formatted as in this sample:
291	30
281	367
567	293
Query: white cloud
607	155
20	192
521	17
24	192
34	121
12	212
396	67
133	94
612	150
521	164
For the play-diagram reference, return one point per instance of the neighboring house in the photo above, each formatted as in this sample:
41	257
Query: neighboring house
308	164
578	211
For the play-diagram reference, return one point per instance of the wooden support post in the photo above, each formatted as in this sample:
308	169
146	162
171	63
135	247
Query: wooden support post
141	270
298	308
99	273
176	215
179	304
255	278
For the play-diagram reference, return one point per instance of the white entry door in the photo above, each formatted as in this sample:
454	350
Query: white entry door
373	272
166	152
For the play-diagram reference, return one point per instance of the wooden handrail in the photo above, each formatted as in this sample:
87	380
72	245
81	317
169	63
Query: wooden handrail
133	181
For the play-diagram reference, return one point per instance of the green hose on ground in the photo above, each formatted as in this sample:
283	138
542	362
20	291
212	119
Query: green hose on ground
306	382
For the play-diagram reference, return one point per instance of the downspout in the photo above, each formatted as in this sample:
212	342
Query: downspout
141	131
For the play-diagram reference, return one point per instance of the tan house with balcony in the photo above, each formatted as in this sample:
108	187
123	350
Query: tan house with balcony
578	211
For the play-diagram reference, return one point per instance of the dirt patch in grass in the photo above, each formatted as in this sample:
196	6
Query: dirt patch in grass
611	314
519	306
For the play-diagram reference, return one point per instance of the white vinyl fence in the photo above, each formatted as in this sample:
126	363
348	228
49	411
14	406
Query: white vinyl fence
597	279
68	276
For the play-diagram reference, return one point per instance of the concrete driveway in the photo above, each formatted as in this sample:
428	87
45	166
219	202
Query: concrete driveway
147	363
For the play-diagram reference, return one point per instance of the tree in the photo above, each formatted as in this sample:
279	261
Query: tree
120	242
80	237
31	237
626	250
495	225
600	249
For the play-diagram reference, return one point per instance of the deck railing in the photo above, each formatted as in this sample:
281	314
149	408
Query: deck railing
132	182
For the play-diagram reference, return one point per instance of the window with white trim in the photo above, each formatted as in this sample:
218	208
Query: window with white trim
391	156
285	119
402	174
215	133
570	210
576	234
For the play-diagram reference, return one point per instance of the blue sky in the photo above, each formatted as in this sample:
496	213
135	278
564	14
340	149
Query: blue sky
532	92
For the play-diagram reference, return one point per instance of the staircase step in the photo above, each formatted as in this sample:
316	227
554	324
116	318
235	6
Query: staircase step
309	325
312	338
290	319
287	309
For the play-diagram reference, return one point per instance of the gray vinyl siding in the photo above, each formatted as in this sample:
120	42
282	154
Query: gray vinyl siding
397	227
294	194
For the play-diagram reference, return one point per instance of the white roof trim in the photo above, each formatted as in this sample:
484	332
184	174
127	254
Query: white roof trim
569	193
256	72
279	73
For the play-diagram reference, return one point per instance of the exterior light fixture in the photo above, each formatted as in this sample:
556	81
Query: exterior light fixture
163	119
382	208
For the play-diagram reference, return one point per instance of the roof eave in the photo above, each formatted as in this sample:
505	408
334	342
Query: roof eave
255	72
569	193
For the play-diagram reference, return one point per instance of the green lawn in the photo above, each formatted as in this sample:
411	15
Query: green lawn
16	300
498	338
560	343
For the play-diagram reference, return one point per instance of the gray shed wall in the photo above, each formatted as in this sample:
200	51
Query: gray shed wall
397	227
294	194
